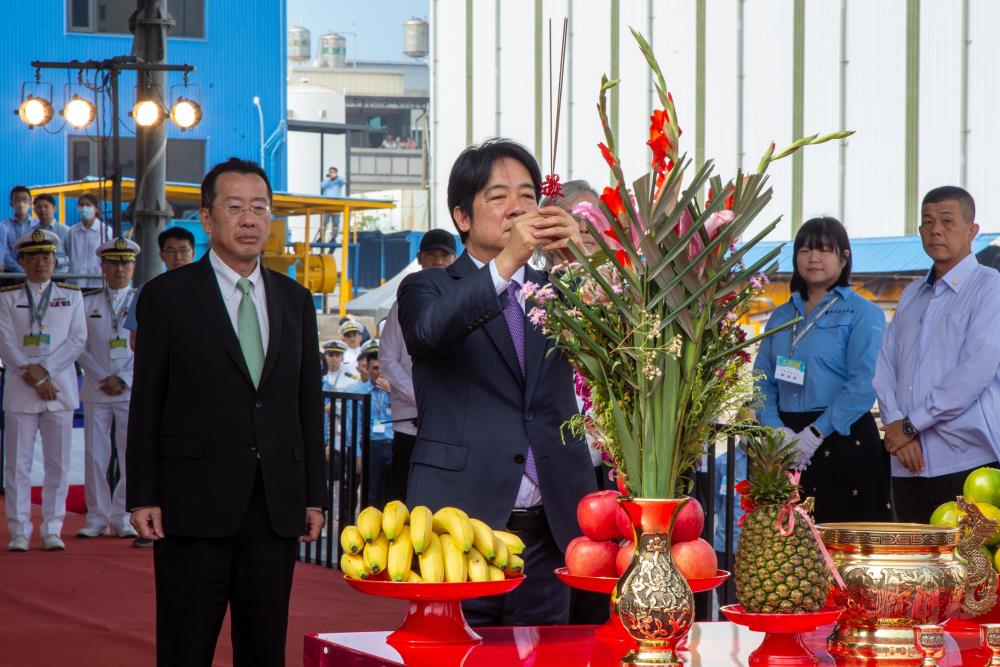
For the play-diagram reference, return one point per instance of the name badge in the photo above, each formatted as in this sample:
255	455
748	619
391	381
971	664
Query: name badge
790	370
118	348
37	345
378	428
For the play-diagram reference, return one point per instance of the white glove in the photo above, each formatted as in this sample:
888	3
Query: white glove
808	443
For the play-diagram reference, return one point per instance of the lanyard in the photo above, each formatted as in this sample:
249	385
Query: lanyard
798	336
37	314
117	315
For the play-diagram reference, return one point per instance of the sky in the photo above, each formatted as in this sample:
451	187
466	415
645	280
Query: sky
378	23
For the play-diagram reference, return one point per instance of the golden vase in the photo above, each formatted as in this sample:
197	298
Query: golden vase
898	575
652	599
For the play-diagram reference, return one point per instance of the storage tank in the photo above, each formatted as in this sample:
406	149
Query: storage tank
333	49
299	44
415	38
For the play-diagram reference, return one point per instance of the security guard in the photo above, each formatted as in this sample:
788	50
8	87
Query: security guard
350	333
42	332
336	378
107	388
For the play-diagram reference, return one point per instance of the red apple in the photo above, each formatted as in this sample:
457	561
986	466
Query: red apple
589	558
624	556
689	523
624	523
695	559
597	514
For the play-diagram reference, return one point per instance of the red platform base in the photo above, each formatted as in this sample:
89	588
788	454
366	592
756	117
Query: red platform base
782	643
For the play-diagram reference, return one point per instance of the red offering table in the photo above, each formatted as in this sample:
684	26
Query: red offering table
709	645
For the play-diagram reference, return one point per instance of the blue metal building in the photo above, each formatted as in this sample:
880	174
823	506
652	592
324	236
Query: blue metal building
238	50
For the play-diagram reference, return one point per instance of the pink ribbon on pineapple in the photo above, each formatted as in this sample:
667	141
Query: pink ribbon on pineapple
789	510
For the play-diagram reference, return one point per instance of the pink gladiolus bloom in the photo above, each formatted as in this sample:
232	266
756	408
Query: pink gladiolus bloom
600	222
714	225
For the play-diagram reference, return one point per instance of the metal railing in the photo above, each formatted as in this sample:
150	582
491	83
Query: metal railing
348	446
707	483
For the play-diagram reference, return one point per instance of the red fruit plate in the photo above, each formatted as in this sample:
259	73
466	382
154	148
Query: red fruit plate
782	643
607	584
435	612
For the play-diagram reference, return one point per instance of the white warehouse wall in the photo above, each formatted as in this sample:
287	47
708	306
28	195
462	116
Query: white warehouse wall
875	95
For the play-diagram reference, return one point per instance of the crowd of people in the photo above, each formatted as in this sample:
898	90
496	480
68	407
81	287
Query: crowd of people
217	409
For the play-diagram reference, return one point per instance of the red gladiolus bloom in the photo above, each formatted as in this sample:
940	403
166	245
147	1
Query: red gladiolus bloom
658	141
622	258
611	234
613	200
607	154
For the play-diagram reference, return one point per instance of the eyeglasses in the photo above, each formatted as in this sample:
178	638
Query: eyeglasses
178	252
259	212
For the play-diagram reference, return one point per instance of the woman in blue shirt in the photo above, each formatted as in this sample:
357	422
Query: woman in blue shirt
815	379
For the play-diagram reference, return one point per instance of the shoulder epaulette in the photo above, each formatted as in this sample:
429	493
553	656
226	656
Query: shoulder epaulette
11	288
92	291
69	286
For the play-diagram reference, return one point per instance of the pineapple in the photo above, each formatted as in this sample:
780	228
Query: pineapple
776	574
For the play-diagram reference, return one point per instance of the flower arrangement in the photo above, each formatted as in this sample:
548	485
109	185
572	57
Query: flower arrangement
651	320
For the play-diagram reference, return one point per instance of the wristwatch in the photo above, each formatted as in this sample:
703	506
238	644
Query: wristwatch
908	429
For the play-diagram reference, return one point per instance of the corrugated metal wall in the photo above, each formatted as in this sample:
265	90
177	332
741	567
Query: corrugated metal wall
242	55
874	175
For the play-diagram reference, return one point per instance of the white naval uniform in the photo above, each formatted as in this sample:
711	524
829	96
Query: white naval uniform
340	380
99	409
26	414
350	363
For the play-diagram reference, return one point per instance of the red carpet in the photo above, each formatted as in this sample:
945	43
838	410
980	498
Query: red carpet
93	604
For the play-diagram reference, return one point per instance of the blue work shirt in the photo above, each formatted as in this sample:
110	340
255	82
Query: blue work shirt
332	187
938	366
131	323
381	422
839	352
719	539
12	231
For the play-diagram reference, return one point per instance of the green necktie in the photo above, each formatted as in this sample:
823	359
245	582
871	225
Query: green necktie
248	330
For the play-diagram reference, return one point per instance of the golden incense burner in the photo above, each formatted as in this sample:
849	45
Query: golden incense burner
899	575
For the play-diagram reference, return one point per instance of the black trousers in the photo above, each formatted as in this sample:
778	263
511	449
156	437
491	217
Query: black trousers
402	449
542	599
916	498
197	578
849	474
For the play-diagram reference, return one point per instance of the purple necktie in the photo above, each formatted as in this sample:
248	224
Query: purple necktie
514	316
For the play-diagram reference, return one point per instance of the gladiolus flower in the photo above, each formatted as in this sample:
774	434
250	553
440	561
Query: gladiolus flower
622	258
658	142
608	155
613	200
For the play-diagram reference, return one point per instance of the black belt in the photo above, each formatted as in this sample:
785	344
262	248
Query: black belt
527	519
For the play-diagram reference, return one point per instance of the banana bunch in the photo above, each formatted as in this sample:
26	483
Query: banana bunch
422	546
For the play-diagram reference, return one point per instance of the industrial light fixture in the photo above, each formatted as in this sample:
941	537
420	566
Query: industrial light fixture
35	111
185	113
147	113
79	112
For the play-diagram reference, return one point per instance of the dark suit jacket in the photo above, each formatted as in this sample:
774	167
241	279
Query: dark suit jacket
196	422
477	413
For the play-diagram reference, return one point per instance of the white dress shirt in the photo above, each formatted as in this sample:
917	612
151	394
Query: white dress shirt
529	494
231	294
81	248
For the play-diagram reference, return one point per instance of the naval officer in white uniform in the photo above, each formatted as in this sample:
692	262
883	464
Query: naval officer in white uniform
107	388
42	332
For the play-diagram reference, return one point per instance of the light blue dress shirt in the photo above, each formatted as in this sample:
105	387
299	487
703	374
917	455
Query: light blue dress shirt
719	539
839	351
332	187
938	366
381	421
12	231
62	231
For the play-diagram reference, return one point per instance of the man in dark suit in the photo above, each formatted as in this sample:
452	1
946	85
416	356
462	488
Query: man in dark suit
225	447
492	397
